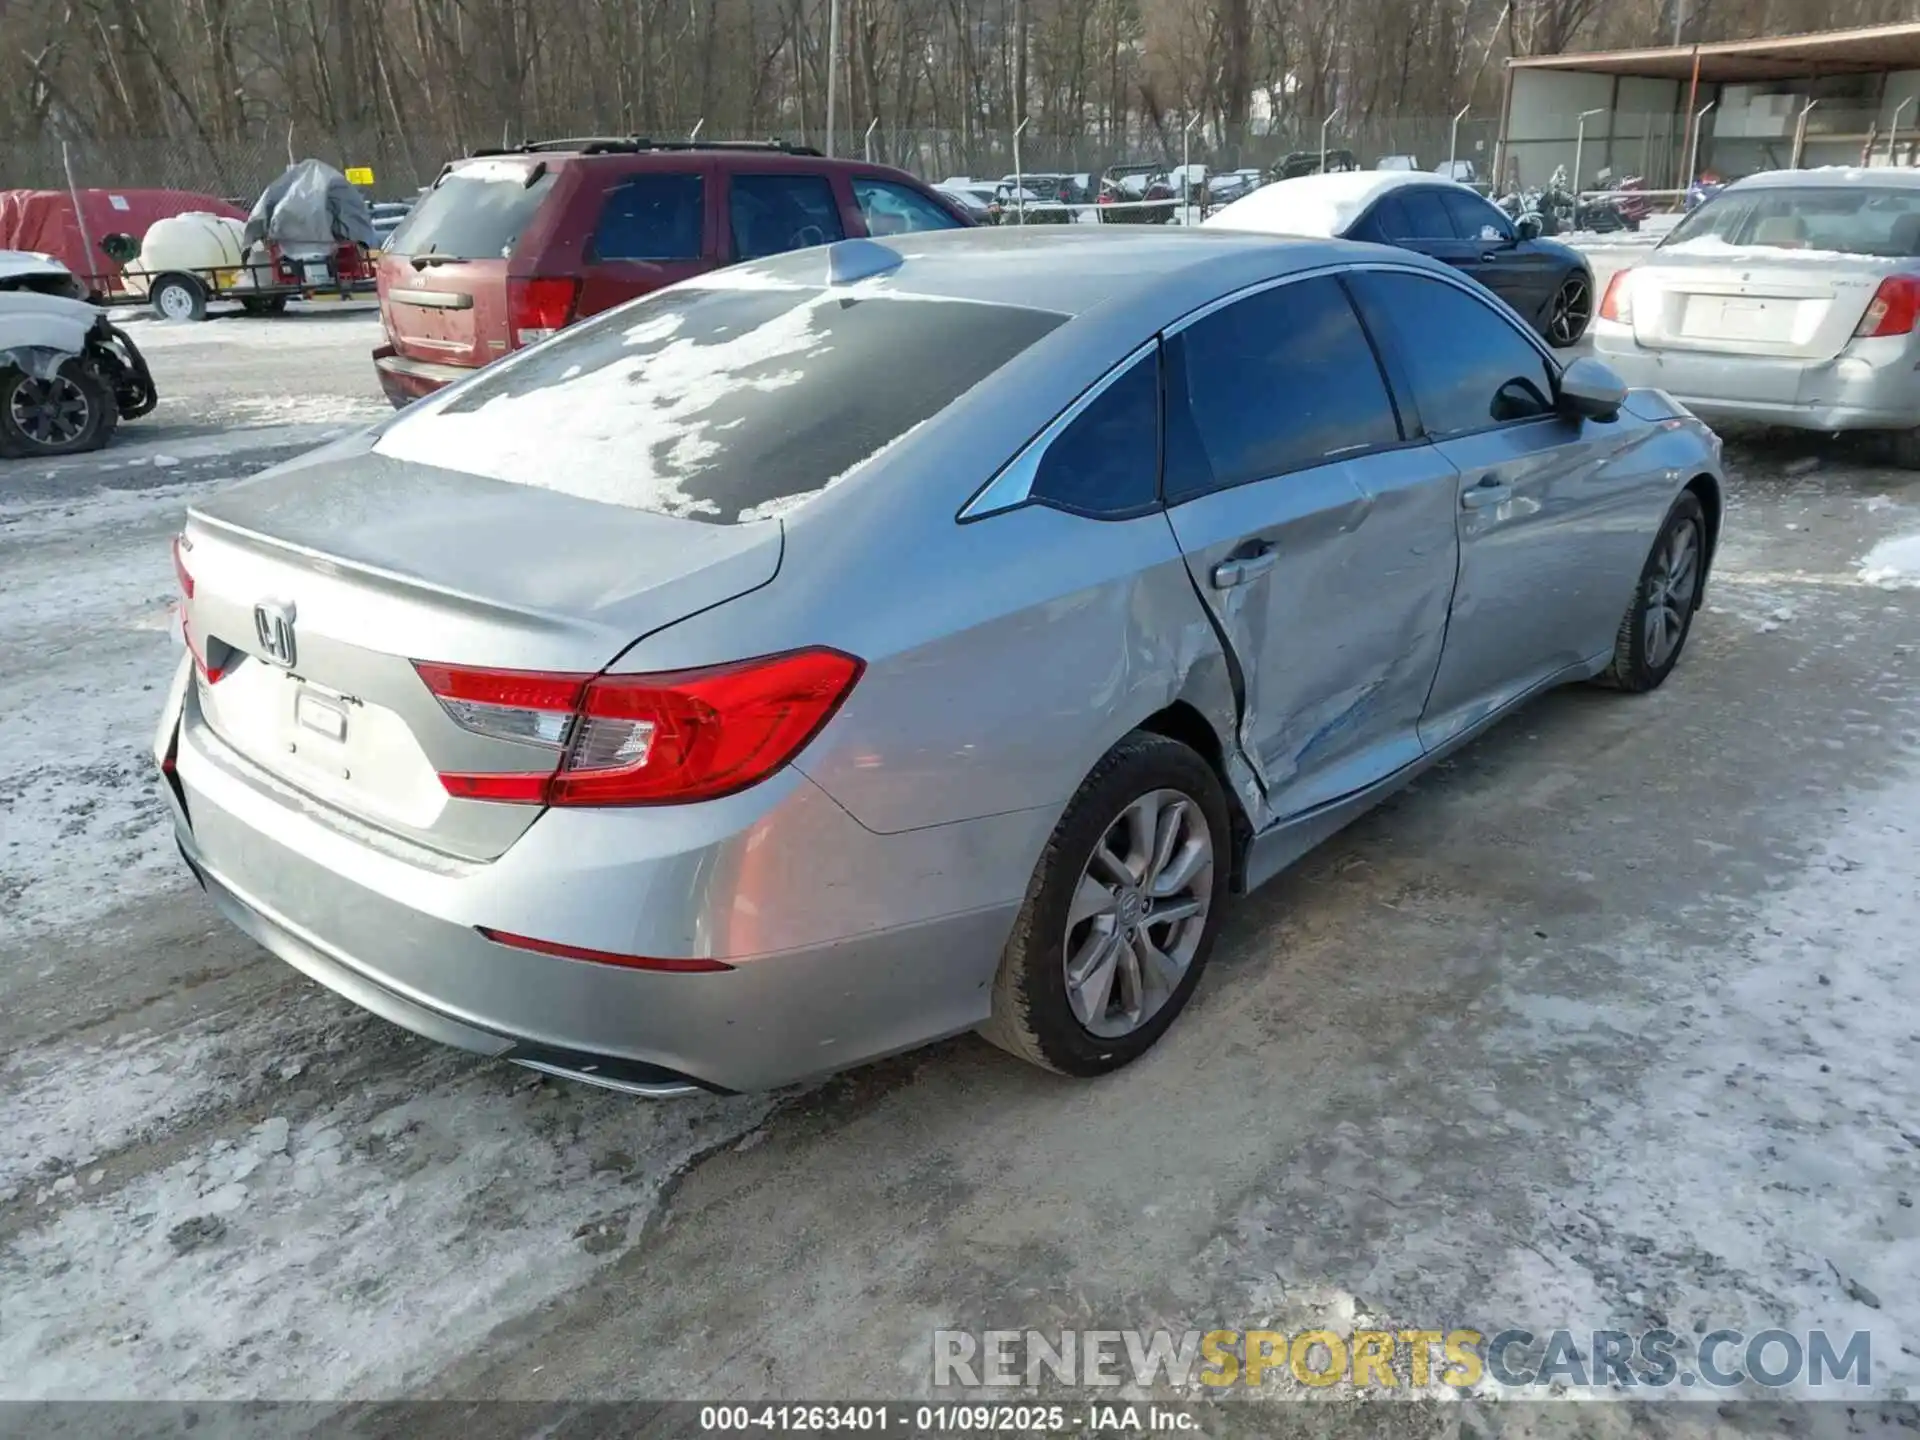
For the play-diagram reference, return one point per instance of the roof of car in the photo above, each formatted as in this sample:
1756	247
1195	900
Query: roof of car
1316	204
1068	269
1831	175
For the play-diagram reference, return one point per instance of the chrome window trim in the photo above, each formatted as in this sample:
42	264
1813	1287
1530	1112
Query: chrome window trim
1013	486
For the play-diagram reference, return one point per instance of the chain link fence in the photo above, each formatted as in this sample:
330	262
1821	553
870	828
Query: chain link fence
240	168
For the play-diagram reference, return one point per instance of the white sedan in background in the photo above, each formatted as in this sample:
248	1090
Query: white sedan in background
1790	298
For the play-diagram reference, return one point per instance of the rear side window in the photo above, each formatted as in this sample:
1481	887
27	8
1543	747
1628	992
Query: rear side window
771	214
724	404
476	212
1426	216
1279	381
1107	461
891	209
1468	367
651	217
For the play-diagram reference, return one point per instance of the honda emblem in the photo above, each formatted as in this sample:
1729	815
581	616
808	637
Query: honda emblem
273	625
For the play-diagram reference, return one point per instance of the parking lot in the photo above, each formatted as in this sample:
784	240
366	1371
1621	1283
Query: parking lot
1608	1021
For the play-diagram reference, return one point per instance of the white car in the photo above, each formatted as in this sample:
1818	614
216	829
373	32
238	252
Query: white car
67	376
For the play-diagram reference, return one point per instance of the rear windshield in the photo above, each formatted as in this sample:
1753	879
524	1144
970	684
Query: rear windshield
1877	221
724	404
476	213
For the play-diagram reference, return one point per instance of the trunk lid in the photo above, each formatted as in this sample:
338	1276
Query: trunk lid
442	277
315	588
1753	300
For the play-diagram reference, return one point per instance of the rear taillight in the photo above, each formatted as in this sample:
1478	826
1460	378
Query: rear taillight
1617	304
540	307
1894	309
182	548
643	739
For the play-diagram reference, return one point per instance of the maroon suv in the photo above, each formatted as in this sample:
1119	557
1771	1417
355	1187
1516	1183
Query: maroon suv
509	246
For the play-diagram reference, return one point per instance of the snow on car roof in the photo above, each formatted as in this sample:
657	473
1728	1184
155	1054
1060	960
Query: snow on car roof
1314	204
29	262
1901	176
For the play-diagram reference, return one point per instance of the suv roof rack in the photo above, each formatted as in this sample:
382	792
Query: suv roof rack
640	144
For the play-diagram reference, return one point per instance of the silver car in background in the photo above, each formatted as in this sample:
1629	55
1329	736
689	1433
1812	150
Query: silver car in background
883	641
1790	298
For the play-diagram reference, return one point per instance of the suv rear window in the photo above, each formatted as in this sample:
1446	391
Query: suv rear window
723	404
476	212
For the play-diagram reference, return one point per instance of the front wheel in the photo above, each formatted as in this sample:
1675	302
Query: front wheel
66	413
1121	914
1654	630
1570	312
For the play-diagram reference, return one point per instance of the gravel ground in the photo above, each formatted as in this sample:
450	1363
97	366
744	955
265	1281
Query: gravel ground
1608	1021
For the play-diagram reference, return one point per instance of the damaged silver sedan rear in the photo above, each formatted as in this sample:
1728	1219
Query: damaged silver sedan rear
880	642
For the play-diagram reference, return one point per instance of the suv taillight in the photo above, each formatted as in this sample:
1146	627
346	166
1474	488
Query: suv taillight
539	306
1894	309
1617	304
643	739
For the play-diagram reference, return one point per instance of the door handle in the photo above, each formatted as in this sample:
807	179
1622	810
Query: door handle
1487	492
1241	569
1491	256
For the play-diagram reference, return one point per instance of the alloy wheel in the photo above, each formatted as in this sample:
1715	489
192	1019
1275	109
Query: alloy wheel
51	413
1138	913
1572	309
1671	588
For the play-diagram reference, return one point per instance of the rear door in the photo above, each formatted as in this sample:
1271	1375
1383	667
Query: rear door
651	228
1322	544
443	272
1551	537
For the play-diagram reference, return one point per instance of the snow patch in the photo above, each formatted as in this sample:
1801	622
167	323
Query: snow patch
1893	564
350	1253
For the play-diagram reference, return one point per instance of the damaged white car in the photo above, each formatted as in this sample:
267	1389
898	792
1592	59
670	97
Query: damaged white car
67	376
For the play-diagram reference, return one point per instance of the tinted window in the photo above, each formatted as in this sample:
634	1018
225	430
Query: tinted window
1276	382
651	217
475	213
1469	368
1107	461
1473	218
892	209
772	214
1426	217
1389	221
722	404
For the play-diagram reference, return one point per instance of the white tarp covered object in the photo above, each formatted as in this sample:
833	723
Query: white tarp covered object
309	210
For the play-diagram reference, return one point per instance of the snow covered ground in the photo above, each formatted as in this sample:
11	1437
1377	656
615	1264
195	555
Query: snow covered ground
1608	1022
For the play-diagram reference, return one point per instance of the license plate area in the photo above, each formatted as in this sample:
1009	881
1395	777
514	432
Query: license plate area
318	714
318	273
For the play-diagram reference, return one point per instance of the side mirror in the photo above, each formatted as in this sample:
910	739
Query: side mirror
1527	227
1590	391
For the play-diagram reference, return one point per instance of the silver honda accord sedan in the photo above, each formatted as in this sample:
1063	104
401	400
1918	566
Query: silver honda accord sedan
885	641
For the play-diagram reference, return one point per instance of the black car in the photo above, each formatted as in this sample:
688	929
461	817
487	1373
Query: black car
1548	283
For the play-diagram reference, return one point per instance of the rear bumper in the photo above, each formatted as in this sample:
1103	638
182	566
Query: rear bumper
1856	390
897	936
405	381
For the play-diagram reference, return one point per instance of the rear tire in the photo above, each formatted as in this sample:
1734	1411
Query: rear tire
178	297
1090	979
1903	448
1659	618
70	414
